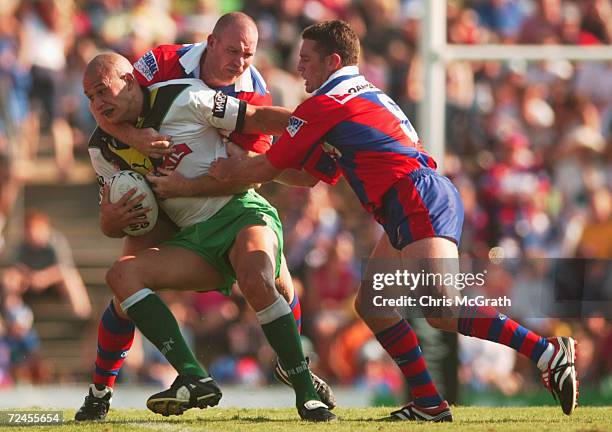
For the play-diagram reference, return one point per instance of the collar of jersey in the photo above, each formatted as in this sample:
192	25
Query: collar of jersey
340	75
148	98
191	60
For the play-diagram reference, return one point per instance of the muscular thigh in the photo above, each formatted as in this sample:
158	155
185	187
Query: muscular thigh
162	231
435	256
173	268
254	250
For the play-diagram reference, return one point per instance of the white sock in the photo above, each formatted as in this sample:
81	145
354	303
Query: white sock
273	312
135	298
545	357
100	393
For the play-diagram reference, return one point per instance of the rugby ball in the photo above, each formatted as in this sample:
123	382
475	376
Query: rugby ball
122	182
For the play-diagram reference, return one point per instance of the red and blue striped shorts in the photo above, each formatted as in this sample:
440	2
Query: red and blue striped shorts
422	204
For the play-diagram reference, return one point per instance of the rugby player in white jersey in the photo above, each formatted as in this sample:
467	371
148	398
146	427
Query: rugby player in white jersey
223	62
222	239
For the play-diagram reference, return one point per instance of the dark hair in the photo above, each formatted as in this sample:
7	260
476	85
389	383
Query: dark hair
334	36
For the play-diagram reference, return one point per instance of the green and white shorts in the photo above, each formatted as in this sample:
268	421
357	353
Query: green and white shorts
212	238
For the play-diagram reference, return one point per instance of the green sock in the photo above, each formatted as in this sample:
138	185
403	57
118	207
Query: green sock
156	323
282	334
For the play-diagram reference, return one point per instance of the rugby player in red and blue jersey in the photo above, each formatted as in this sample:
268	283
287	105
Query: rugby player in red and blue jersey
349	127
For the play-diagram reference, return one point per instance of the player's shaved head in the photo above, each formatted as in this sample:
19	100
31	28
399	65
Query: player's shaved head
106	64
230	50
233	21
112	89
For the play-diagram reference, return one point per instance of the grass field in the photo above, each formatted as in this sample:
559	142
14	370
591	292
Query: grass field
350	419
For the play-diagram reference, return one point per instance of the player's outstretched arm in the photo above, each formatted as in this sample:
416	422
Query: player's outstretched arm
293	177
171	184
265	119
147	141
255	169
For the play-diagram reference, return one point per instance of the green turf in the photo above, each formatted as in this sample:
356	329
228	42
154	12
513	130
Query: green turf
350	419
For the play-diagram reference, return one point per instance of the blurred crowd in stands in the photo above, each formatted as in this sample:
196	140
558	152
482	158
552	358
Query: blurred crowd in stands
529	146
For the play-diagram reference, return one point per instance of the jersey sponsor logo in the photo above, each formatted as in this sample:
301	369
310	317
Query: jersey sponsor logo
179	151
147	65
295	123
360	87
351	88
219	104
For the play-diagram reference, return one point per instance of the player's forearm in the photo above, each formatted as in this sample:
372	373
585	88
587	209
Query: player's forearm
124	132
209	186
265	120
250	170
293	177
110	229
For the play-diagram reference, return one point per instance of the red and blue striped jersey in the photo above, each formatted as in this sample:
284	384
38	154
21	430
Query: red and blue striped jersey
167	62
352	128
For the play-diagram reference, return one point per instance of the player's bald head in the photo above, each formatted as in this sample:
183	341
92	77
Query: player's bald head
235	22
107	64
112	89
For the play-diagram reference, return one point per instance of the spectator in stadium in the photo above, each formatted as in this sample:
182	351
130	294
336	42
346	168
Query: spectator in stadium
14	81
26	364
224	62
9	185
503	17
46	40
544	23
144	24
43	260
5	356
516	204
596	237
350	127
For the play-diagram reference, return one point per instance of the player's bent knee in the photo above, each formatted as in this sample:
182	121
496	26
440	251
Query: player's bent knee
119	276
258	288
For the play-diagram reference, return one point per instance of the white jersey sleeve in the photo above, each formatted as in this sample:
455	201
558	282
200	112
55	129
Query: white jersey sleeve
218	110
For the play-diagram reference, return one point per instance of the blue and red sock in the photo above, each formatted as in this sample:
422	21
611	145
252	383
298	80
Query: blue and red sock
485	322
400	341
296	310
115	337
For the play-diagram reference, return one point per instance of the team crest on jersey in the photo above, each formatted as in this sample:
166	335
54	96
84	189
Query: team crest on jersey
295	123
147	65
219	104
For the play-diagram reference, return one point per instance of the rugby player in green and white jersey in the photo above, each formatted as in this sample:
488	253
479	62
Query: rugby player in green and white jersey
225	63
222	239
